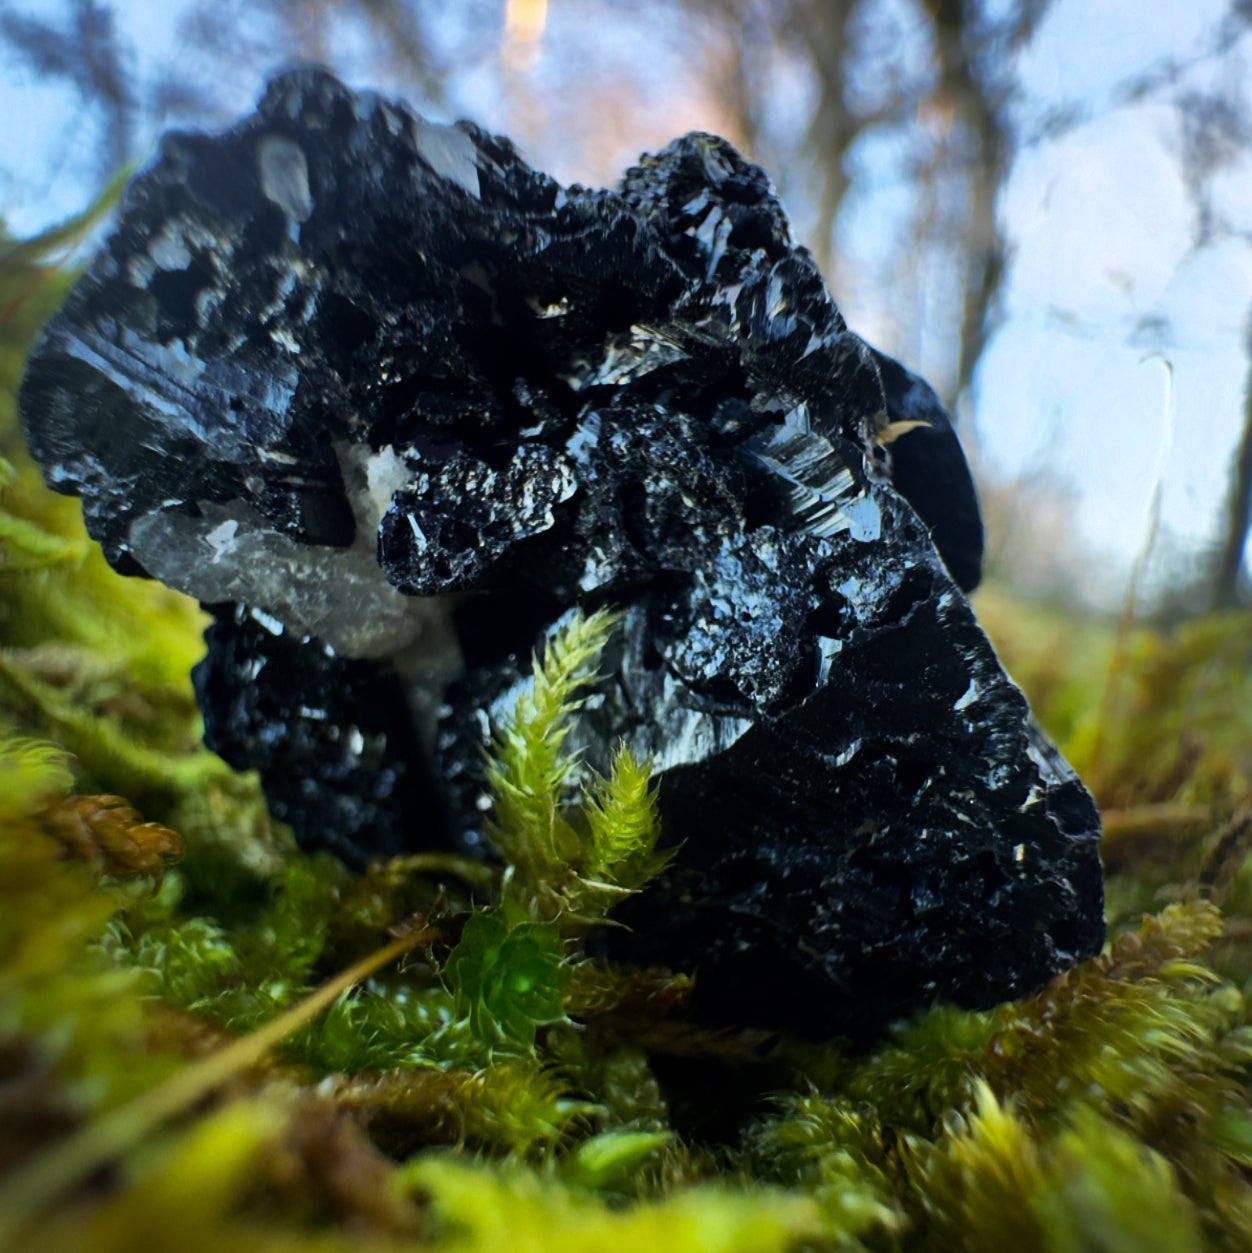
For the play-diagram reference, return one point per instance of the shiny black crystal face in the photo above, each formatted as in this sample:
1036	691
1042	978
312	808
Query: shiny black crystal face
391	402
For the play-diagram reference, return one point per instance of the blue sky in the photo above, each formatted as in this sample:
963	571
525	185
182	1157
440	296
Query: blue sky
1103	267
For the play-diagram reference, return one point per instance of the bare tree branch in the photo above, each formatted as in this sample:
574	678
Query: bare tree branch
982	149
88	54
834	128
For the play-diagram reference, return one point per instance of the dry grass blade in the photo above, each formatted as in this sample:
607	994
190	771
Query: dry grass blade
27	1192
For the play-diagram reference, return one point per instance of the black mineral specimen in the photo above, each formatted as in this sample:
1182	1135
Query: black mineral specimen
392	403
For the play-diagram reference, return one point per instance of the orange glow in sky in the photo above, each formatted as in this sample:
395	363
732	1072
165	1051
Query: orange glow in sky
524	21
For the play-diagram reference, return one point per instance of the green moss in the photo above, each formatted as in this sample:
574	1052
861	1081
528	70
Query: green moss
476	1207
568	862
496	1089
507	981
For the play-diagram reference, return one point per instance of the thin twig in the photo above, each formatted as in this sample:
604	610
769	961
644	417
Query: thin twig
1130	604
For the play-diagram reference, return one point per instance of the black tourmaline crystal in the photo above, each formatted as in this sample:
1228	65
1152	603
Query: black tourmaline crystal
391	403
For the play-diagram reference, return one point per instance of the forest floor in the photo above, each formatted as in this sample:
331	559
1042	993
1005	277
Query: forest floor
211	1040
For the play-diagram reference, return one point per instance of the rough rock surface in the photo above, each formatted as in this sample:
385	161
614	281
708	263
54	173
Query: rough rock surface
391	402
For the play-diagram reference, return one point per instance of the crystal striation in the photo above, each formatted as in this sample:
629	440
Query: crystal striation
391	403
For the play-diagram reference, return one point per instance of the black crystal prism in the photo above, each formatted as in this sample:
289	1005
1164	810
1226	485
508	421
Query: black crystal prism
392	403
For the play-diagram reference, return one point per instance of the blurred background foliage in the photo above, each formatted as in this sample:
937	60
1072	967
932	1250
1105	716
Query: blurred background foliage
141	939
893	129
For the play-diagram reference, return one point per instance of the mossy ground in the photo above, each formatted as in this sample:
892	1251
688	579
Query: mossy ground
166	1080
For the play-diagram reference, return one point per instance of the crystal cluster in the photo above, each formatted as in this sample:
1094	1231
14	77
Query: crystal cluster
391	403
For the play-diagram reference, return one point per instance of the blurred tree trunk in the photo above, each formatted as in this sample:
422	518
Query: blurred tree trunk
818	30
971	86
834	127
739	85
1238	508
981	138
